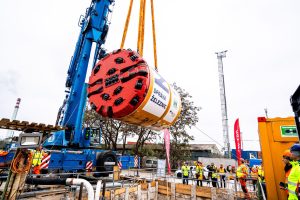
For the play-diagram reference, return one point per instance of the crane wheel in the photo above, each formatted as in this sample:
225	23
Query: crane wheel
102	158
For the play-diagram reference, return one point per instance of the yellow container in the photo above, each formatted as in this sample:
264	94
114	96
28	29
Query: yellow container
276	135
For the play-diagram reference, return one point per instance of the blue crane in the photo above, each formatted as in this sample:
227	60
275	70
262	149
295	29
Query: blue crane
94	28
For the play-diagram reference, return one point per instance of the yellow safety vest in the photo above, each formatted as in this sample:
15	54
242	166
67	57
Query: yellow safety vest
213	174
199	170
231	176
221	171
241	171
293	180
261	175
185	170
254	175
37	158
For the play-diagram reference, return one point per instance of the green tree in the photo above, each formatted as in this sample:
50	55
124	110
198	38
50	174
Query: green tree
180	137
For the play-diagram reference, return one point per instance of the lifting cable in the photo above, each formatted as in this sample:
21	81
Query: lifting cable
141	29
153	35
126	25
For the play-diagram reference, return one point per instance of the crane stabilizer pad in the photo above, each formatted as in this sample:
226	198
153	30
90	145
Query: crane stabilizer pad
27	127
118	84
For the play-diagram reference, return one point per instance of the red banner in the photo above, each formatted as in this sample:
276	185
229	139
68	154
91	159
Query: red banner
167	144
237	139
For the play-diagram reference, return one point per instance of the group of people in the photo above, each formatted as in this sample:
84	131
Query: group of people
221	175
214	173
291	184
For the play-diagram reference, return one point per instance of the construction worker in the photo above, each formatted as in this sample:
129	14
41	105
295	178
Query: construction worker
254	176
286	159
262	182
214	175
37	160
222	172
294	176
231	170
185	173
242	174
199	173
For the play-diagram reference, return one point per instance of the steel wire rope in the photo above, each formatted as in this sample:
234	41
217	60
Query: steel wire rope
212	139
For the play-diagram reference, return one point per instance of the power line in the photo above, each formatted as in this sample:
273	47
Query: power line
209	136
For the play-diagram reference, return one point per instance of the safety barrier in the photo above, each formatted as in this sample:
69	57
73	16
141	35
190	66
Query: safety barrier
150	185
232	186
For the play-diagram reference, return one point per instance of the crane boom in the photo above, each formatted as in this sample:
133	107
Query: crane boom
94	28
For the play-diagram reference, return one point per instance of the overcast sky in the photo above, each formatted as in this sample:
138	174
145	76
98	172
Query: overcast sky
261	68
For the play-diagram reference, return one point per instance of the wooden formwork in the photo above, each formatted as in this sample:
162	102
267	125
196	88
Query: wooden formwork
159	190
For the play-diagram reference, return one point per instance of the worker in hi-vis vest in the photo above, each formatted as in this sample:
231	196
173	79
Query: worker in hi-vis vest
38	154
294	176
222	173
214	176
185	173
199	173
242	174
286	159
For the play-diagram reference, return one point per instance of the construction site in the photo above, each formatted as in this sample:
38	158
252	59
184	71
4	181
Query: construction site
124	132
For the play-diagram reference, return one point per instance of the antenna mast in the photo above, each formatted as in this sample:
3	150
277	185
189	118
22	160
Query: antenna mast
221	55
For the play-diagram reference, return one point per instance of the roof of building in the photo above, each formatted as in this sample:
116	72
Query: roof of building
193	147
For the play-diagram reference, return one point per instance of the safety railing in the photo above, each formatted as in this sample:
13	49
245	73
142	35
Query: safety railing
146	175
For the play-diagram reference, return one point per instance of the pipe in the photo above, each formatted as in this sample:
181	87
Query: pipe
80	192
98	189
87	185
24	195
103	190
3	178
46	181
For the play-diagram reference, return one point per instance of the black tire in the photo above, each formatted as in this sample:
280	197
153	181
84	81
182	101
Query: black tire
106	156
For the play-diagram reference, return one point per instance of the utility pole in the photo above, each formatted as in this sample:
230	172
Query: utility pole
220	56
